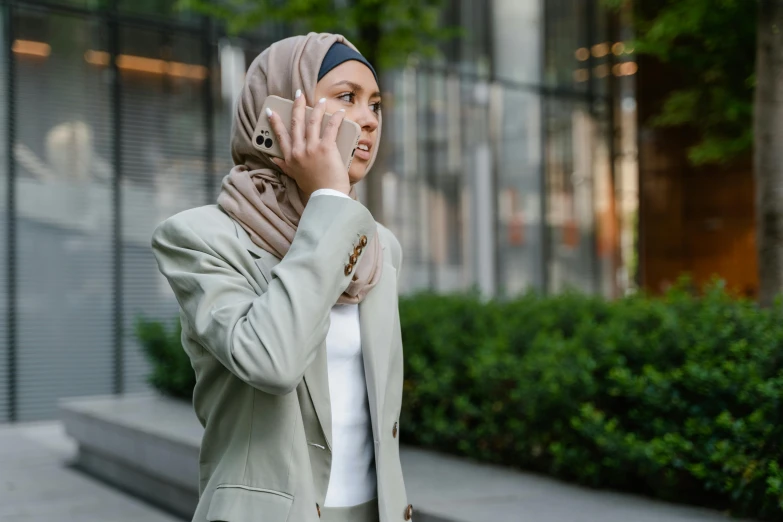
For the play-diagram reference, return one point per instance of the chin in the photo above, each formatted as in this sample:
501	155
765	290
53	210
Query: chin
357	172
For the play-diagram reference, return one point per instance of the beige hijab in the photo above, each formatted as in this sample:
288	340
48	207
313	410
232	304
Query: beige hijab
256	193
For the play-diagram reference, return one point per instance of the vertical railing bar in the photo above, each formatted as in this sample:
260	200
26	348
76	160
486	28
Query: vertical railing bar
116	111
11	281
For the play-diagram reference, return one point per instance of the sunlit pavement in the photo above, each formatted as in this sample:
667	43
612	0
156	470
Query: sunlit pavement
38	485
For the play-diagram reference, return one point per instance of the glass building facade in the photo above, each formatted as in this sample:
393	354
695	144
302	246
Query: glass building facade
498	172
505	164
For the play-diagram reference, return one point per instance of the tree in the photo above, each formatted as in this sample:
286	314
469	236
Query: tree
731	53
713	43
768	158
387	32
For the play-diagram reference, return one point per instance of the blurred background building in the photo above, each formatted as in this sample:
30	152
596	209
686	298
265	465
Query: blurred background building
509	164
699	220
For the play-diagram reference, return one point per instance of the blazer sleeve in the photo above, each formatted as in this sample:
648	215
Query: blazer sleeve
266	340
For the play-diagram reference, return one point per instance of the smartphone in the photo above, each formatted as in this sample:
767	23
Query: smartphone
265	140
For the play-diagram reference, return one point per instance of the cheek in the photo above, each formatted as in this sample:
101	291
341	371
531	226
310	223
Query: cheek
333	106
350	113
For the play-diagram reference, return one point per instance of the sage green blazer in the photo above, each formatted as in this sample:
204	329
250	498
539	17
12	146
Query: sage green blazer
254	328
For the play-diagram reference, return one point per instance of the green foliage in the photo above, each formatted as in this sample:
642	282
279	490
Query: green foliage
679	398
712	45
172	373
387	32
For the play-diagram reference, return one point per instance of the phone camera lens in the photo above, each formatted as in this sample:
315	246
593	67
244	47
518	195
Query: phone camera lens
259	140
268	143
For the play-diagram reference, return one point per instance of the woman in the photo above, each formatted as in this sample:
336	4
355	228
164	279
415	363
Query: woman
287	290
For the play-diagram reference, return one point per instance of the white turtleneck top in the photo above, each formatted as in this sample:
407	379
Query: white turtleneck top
353	479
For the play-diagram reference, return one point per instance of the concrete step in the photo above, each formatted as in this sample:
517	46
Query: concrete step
148	444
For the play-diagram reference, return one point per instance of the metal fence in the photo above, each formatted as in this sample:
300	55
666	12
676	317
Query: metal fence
100	141
111	121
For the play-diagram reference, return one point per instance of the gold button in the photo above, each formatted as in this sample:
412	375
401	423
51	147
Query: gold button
363	241
348	269
357	250
318	508
354	259
356	277
409	512
394	430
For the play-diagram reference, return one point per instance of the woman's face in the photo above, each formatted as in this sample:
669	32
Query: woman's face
352	86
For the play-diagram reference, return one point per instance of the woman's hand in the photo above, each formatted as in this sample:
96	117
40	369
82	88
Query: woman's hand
310	158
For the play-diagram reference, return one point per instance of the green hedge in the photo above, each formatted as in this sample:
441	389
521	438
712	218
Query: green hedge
172	373
678	397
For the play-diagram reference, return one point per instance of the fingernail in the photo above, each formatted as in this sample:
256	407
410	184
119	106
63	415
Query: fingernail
341	110
322	100
268	112
298	93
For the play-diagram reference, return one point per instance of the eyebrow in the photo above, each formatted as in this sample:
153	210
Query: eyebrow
356	87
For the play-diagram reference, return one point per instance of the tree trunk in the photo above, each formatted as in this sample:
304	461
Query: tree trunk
768	154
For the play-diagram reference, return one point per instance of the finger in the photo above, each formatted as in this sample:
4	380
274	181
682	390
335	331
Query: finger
298	122
281	163
283	138
316	119
333	126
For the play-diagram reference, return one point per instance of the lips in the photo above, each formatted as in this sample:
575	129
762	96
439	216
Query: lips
361	153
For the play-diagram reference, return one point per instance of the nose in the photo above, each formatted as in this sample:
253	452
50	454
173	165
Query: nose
366	119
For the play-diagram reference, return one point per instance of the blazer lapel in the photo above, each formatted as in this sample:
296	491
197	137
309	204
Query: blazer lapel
316	377
375	313
376	330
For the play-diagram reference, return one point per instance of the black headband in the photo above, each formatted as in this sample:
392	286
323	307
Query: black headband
341	53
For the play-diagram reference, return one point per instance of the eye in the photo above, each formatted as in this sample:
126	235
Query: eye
376	107
347	97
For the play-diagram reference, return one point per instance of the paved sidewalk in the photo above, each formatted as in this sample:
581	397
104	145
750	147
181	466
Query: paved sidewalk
37	485
456	489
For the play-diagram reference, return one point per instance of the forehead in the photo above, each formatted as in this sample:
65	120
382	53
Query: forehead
352	71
